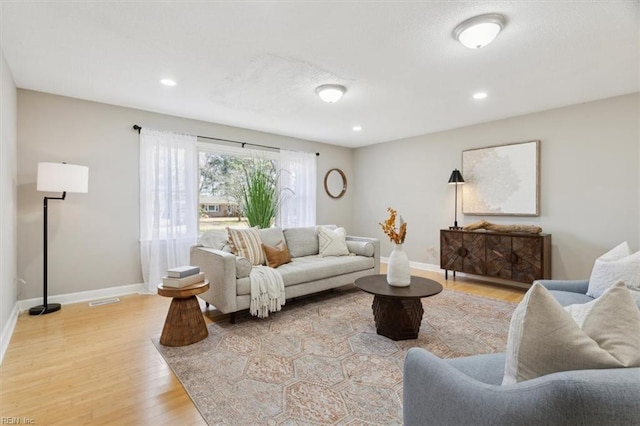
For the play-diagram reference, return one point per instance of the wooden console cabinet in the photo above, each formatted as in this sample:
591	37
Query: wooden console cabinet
510	256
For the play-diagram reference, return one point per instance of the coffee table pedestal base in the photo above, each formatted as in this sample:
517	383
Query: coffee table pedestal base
397	318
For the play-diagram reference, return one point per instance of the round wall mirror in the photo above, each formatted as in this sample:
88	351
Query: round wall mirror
335	183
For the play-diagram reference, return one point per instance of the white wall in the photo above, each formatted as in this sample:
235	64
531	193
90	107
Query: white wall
8	203
93	237
590	195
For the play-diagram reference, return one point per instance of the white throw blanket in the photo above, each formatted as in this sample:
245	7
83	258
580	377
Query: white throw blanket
267	291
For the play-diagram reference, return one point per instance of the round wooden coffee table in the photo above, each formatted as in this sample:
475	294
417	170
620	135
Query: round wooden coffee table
398	310
184	324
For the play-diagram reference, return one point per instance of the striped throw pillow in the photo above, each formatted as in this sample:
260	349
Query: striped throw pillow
247	243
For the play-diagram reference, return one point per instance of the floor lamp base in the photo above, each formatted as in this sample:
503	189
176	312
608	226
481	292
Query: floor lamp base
44	309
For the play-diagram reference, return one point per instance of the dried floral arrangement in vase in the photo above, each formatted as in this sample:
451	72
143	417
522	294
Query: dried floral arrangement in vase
398	268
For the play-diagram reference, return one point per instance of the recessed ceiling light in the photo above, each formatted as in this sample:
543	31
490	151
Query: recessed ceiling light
330	92
168	82
479	31
357	128
480	95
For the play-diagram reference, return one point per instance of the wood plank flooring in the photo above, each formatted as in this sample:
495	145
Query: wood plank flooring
97	365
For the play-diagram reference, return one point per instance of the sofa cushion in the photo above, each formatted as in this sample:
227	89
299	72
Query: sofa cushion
544	339
332	242
301	241
217	239
243	267
608	270
247	243
276	255
566	298
271	236
311	268
361	248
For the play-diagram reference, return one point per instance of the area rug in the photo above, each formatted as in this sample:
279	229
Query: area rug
320	362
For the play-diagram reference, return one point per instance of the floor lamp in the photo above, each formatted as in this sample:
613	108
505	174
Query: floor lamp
57	177
455	179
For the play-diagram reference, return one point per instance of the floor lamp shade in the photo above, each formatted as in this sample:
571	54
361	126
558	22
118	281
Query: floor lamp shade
56	177
62	177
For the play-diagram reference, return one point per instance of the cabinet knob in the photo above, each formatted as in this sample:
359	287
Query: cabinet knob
462	252
514	258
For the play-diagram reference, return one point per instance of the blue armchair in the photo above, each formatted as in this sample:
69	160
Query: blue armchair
468	390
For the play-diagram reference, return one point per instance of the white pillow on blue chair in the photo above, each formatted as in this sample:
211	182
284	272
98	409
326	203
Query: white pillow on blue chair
618	264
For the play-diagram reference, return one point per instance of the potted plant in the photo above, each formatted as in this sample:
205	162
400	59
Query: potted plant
260	193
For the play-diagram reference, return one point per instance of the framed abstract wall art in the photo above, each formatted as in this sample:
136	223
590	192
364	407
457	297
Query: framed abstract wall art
502	180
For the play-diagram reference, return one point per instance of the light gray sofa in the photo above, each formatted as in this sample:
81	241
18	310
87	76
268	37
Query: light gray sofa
307	273
468	390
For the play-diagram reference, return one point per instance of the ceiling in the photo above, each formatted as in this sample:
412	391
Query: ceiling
256	64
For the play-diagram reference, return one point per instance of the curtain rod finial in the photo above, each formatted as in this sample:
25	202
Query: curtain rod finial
136	127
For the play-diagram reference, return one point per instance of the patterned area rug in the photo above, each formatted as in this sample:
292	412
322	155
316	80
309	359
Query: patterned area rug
320	361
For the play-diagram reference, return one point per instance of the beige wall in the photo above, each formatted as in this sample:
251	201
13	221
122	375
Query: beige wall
8	157
590	187
93	237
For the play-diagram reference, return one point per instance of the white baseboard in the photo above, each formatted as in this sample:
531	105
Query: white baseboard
84	296
81	296
7	331
418	265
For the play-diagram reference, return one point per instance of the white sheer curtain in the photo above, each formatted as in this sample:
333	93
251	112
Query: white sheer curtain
168	202
298	173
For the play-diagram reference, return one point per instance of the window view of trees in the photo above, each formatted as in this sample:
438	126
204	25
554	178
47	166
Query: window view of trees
222	178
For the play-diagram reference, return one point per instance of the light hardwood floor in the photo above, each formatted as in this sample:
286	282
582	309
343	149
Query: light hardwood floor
97	365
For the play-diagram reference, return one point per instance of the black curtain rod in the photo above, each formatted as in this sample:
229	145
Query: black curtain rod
138	128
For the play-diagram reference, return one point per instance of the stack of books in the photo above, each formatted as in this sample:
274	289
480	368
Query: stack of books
183	276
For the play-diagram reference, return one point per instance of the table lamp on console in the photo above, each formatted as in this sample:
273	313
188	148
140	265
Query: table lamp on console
455	179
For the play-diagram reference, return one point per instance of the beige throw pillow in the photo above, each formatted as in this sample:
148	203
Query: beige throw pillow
332	242
247	243
544	338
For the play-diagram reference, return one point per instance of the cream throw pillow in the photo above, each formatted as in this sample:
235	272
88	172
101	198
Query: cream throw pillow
544	339
247	243
332	242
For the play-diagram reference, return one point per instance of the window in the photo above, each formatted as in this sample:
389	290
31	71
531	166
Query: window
221	173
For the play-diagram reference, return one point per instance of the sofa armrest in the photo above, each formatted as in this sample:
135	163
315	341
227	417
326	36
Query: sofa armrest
436	393
572	286
219	268
361	246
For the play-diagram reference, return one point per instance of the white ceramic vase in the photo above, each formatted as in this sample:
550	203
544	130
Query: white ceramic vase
398	271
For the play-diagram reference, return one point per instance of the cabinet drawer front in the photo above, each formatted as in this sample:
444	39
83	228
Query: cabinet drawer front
527	259
473	248
451	251
499	256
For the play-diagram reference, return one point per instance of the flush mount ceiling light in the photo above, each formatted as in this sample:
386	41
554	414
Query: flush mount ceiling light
330	92
480	95
479	31
168	82
357	128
